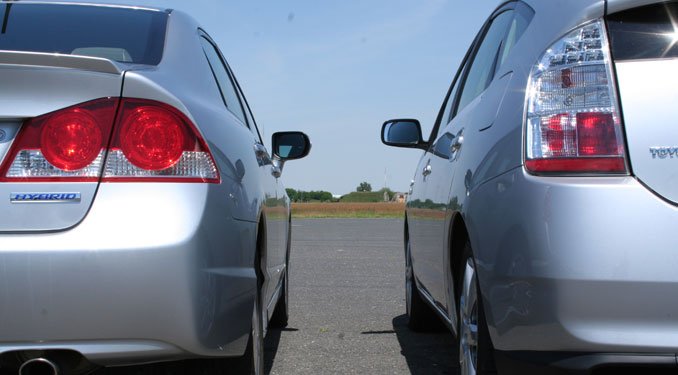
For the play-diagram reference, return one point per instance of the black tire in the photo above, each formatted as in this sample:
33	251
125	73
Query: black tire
476	353
252	362
420	317
281	313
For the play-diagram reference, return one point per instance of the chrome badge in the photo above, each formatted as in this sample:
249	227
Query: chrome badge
44	197
664	152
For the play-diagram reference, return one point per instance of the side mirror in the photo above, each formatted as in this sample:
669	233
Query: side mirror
403	133
290	145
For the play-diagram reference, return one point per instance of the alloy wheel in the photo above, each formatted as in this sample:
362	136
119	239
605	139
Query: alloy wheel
468	327
257	339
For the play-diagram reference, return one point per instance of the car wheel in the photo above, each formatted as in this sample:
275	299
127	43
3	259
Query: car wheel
252	363
476	354
419	314
281	312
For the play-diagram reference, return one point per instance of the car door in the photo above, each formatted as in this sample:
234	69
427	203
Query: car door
442	161
277	213
267	181
474	111
427	205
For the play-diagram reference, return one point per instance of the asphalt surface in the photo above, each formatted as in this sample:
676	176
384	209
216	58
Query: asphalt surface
347	297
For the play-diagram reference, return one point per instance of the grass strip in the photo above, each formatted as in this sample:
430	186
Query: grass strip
348	210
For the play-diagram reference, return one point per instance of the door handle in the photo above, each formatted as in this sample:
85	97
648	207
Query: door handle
459	140
260	150
262	154
427	170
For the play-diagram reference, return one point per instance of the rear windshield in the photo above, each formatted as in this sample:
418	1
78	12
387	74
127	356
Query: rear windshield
120	34
647	32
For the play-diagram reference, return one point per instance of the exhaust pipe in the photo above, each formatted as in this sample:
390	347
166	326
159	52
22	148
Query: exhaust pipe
39	366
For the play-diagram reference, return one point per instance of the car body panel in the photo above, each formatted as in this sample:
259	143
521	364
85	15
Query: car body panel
252	191
648	96
73	287
552	283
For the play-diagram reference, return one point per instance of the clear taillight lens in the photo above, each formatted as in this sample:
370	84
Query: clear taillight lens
573	122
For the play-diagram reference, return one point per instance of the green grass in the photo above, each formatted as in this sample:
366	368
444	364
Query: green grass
365	210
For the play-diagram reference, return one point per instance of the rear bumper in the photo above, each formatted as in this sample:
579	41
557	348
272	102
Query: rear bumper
139	280
560	363
579	265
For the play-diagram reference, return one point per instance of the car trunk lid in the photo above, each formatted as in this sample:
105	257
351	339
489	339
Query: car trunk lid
35	84
644	46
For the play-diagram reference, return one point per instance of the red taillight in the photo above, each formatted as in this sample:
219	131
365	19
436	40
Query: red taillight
152	141
583	142
559	134
71	140
596	135
151	138
65	145
577	165
156	142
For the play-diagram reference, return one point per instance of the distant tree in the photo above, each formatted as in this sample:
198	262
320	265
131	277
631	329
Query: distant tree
293	194
364	187
324	196
306	196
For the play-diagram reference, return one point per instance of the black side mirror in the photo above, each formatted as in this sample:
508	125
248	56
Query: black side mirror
290	145
403	133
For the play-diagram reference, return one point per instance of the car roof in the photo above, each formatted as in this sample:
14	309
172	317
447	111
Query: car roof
151	8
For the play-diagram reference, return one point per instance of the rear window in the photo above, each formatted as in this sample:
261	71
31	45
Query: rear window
647	32
120	34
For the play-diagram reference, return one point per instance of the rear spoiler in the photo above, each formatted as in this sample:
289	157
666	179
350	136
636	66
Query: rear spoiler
92	64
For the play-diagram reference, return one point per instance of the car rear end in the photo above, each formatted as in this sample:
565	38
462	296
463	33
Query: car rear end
582	277
105	200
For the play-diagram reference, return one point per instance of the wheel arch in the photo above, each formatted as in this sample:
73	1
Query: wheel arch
260	247
458	237
406	234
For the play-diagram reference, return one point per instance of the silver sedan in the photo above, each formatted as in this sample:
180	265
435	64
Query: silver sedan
142	217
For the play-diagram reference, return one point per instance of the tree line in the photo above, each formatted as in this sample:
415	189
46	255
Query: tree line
307	196
363	193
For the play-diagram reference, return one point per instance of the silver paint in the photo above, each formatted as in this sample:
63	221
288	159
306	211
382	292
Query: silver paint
141	272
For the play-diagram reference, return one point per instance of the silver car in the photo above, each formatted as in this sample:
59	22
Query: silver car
142	218
541	221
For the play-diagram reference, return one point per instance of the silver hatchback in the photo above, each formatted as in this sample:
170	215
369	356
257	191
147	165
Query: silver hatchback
541	221
142	218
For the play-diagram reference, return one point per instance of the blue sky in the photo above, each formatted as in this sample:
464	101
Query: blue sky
337	70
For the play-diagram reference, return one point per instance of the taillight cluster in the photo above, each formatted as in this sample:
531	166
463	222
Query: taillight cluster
145	141
573	122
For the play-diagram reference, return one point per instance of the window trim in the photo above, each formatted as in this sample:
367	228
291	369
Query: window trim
462	72
207	38
246	108
486	28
